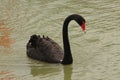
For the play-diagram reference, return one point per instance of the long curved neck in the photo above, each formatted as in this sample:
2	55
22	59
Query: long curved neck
67	51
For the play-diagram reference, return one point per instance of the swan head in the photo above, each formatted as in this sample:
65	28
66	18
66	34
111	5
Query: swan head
81	21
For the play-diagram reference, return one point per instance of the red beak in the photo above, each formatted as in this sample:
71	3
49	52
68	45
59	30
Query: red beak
83	26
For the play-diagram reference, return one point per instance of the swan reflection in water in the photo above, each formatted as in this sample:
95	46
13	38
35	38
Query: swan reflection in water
52	71
68	72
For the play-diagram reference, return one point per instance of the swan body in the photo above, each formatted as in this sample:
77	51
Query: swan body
46	49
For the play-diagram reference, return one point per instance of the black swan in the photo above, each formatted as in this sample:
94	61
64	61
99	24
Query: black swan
45	49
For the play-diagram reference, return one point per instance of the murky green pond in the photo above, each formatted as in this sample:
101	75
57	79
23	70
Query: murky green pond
96	54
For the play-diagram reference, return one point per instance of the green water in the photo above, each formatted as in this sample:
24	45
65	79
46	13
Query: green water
96	54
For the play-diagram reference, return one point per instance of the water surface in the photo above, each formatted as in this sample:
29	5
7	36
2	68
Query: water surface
96	53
